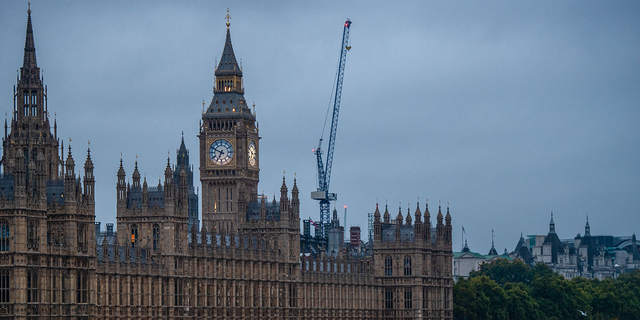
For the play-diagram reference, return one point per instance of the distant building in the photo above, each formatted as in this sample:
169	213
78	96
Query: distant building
587	256
466	261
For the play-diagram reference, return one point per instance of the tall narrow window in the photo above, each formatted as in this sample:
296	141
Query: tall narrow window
178	292
134	235
4	235
408	299
82	286
34	98
4	285
26	99
54	285
388	299
407	265
32	285
81	235
32	233
156	236
388	266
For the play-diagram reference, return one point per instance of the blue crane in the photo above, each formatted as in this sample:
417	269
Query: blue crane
324	173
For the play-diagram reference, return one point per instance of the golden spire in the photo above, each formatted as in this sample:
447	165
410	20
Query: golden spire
228	17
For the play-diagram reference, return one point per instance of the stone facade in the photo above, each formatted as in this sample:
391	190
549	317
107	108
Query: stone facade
587	255
245	261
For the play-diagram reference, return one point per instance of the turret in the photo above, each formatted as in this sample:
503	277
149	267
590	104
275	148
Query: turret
587	228
70	179
121	186
284	201
427	224
439	228
295	201
408	216
447	228
145	194
399	224
387	216
419	227
136	176
89	180
377	225
168	185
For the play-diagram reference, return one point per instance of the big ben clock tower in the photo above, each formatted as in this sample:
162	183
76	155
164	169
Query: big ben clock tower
229	149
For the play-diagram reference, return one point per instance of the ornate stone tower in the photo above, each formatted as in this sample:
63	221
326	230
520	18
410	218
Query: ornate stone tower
229	148
30	130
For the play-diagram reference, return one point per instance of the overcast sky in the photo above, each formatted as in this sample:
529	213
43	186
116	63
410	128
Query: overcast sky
506	110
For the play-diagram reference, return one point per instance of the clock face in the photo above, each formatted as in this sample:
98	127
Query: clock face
252	153
221	152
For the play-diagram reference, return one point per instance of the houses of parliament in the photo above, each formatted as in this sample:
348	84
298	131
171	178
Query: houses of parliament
242	261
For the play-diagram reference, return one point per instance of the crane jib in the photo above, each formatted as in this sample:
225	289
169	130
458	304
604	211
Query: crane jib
324	174
336	103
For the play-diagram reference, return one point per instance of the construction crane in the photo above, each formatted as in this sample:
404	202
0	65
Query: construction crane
324	170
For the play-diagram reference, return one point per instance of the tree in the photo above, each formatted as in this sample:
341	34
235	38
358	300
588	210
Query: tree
503	271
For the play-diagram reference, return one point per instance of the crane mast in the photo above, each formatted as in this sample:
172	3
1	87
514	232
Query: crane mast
324	171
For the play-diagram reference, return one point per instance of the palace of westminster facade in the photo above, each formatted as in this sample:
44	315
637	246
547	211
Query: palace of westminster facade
244	262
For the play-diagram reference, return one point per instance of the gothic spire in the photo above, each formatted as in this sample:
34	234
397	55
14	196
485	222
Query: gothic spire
29	60
587	228
228	64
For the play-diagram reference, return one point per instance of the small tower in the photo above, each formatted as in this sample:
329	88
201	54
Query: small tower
89	180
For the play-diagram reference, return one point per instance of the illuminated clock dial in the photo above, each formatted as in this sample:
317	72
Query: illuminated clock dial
221	152
252	153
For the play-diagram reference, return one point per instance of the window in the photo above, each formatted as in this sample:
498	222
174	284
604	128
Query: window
134	235
425	298
156	236
408	299
4	285
407	265
4	235
82	282
388	266
388	299
178	292
32	285
54	286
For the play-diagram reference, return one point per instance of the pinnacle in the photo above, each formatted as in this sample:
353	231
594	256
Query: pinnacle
29	60
228	63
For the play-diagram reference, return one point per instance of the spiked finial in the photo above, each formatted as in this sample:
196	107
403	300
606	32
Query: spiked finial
228	17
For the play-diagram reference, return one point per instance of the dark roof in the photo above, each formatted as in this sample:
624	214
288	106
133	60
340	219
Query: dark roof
228	64
29	60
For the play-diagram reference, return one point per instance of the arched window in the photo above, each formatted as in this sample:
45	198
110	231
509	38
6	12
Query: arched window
134	235
4	235
156	236
388	266
32	233
407	265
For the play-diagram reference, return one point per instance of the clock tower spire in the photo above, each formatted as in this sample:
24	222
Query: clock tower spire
229	167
